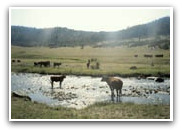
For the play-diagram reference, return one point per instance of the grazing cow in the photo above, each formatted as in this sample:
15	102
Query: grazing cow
133	67
35	64
56	64
88	64
45	63
148	56
135	55
114	83
18	61
42	63
13	61
57	79
160	55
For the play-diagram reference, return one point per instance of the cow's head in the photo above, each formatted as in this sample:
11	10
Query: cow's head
63	76
104	78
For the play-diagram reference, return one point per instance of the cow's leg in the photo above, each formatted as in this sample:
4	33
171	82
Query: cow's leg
117	91
52	84
112	94
60	84
120	93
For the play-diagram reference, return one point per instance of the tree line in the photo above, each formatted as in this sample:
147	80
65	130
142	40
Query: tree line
60	37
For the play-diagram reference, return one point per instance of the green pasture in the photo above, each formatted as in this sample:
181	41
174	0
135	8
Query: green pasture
112	60
21	109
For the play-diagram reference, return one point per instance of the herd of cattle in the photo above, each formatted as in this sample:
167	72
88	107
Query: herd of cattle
113	83
57	64
150	56
47	64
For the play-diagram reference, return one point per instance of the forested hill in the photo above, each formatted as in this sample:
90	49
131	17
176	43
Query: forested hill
56	37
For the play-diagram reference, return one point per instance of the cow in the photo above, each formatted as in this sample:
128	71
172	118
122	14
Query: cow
45	63
133	67
148	56
88	64
56	64
114	83
18	61
135	55
160	55
42	63
35	63
57	79
13	61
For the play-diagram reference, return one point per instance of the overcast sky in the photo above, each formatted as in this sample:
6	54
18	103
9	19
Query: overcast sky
87	19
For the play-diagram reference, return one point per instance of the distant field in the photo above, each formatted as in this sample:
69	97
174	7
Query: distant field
112	60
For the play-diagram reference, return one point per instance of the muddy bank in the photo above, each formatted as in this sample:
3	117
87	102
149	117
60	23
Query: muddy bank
82	91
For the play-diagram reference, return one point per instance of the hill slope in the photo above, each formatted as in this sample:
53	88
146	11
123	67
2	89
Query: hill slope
57	37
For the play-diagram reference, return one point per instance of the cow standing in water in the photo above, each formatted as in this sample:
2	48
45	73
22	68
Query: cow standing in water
57	79
114	83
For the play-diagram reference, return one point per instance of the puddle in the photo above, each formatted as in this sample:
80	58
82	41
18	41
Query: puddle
80	91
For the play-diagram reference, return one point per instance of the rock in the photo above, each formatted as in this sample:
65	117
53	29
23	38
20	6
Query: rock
151	78
155	91
158	79
27	98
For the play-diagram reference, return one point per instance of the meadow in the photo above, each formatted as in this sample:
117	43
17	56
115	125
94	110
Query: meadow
112	60
115	61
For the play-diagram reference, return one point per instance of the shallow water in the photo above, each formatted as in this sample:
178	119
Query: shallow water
80	91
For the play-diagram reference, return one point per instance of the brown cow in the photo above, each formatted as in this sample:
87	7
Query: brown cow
57	79
114	83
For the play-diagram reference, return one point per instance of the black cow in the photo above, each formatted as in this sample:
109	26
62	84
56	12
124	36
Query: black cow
57	79
18	61
148	56
133	67
56	64
35	64
160	55
42	63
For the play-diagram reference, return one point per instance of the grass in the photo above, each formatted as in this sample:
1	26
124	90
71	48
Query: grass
113	60
21	109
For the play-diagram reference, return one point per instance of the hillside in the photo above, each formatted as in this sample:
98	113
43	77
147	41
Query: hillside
58	36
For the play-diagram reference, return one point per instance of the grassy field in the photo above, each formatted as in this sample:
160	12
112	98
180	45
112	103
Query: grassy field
112	60
21	109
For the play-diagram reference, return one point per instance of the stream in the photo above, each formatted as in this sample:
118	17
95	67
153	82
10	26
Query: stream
81	91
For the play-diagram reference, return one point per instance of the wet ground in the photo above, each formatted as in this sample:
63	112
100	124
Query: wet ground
80	91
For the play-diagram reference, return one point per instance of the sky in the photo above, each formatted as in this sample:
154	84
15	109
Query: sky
85	18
